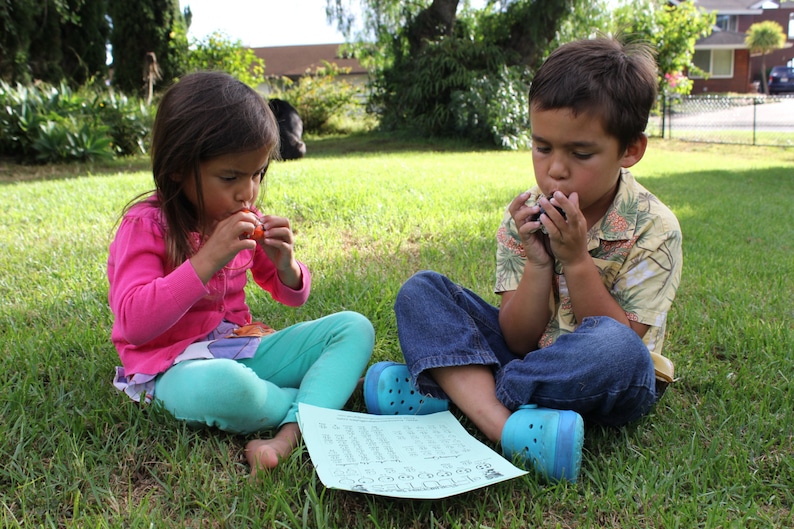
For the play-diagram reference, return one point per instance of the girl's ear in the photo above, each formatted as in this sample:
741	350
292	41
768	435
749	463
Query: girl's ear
634	152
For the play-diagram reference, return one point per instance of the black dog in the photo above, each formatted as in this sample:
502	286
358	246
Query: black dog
290	127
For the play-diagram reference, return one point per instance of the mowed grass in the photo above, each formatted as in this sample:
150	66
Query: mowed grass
368	212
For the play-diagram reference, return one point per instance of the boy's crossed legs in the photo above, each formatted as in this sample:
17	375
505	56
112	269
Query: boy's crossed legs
454	350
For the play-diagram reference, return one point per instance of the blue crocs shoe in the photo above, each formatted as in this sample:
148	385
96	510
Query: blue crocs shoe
545	439
388	391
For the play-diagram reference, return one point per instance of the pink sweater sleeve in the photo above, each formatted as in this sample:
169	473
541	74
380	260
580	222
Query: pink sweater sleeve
145	301
265	275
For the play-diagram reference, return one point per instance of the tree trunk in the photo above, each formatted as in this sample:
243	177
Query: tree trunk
534	26
764	75
437	21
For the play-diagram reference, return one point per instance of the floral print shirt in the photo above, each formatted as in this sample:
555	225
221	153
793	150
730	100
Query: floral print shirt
637	249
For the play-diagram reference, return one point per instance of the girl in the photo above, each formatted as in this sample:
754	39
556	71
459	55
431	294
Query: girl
177	272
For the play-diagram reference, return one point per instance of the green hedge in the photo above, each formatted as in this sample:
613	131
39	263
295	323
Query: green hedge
43	123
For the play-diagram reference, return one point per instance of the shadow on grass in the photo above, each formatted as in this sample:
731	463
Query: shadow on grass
375	142
12	172
317	147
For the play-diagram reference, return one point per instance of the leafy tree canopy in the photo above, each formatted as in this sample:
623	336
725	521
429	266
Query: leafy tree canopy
444	68
52	40
146	31
671	30
218	51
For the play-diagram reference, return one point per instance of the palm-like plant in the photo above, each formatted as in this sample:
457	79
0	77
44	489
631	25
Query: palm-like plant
763	37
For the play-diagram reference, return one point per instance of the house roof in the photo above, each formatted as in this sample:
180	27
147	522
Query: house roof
293	61
722	39
736	7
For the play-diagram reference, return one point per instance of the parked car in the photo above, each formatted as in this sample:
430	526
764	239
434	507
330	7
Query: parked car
781	79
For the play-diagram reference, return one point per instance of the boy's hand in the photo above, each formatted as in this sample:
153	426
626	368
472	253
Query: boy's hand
532	239
567	234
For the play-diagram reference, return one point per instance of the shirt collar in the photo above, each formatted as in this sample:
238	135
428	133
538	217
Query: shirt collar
620	220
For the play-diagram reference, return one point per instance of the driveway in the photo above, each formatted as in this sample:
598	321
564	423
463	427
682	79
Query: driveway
776	115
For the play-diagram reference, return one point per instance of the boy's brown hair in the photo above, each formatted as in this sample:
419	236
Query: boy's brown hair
603	77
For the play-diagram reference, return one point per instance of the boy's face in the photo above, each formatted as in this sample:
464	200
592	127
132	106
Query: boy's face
574	153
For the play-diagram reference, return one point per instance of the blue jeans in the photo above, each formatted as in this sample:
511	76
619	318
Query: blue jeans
603	370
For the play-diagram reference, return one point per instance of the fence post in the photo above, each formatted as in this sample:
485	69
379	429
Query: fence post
669	118
755	117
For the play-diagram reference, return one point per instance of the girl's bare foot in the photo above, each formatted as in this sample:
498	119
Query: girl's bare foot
267	453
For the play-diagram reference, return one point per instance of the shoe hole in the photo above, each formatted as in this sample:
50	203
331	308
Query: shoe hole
412	392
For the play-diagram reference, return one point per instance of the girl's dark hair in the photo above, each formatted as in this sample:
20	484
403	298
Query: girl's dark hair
203	116
603	77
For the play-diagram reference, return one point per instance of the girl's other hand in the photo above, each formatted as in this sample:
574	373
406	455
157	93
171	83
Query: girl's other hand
278	242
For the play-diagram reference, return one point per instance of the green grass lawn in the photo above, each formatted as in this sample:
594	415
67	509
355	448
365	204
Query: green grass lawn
368	212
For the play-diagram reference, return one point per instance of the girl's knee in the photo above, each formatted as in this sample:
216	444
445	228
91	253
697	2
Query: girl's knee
217	380
223	394
355	325
357	321
355	332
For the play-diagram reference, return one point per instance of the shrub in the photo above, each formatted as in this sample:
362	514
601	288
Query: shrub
320	96
43	123
128	122
456	87
494	109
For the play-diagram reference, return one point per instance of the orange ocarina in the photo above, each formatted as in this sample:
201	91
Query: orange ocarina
258	233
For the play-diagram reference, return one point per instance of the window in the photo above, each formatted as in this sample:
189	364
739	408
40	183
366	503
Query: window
791	27
716	63
726	22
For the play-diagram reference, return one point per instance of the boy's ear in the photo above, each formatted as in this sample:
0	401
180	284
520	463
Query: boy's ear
634	152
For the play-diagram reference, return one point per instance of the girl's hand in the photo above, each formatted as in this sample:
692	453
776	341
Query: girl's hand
278	242
529	231
228	238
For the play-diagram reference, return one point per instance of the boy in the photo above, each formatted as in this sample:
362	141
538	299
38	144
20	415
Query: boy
588	263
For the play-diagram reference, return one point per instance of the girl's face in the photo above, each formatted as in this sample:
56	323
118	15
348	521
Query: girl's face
229	183
573	153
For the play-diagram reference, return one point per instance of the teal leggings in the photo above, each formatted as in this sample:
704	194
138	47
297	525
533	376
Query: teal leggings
317	362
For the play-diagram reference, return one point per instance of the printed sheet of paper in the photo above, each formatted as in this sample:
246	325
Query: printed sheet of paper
422	457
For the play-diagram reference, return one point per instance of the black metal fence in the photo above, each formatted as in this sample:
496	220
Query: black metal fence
751	120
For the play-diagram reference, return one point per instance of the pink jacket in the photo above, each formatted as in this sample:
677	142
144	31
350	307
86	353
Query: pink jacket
158	314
